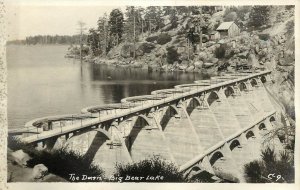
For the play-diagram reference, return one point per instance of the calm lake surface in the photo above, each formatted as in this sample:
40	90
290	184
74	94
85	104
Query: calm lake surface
41	82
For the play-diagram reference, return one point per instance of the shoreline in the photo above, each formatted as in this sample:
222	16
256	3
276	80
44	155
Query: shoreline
134	64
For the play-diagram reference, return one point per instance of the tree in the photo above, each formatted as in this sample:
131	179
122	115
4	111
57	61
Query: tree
232	16
198	24
93	41
116	25
173	18
208	9
154	18
103	33
81	31
167	10
134	21
172	55
259	16
182	10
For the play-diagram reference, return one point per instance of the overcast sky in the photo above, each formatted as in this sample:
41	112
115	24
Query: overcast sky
35	18
43	17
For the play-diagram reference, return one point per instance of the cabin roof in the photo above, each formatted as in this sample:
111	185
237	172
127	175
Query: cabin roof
225	25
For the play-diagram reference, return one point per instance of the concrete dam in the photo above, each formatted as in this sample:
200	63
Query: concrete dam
214	126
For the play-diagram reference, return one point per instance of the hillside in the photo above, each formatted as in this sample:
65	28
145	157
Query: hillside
171	48
266	41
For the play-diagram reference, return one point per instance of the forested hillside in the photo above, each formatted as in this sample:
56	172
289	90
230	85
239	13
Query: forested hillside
180	39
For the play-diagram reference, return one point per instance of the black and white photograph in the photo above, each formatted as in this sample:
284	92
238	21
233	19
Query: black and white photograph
145	93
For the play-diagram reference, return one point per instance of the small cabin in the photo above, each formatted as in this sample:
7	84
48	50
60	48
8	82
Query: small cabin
215	35
228	29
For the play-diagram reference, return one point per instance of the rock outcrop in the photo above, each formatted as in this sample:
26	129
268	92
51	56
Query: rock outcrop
39	171
20	158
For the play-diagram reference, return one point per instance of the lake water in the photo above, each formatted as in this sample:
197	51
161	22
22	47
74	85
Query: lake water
41	82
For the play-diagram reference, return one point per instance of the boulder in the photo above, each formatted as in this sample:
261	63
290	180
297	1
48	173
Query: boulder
164	67
159	52
243	55
190	68
214	60
252	60
197	70
184	56
185	62
207	65
137	64
182	67
198	64
172	33
210	56
180	50
202	56
20	158
39	171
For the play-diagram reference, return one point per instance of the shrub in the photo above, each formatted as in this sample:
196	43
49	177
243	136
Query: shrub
147	47
268	156
59	162
290	27
253	172
164	38
289	7
264	37
176	41
282	168
151	38
150	167
170	27
172	55
220	51
63	163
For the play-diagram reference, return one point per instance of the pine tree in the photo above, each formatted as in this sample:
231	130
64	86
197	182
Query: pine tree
116	26
103	33
93	41
259	16
134	21
167	10
154	15
173	17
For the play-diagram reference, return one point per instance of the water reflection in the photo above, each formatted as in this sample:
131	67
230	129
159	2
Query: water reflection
42	82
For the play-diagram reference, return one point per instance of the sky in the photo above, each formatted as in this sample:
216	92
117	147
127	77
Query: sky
36	18
51	17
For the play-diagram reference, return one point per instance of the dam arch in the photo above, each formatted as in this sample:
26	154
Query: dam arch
212	97
242	86
215	156
250	134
